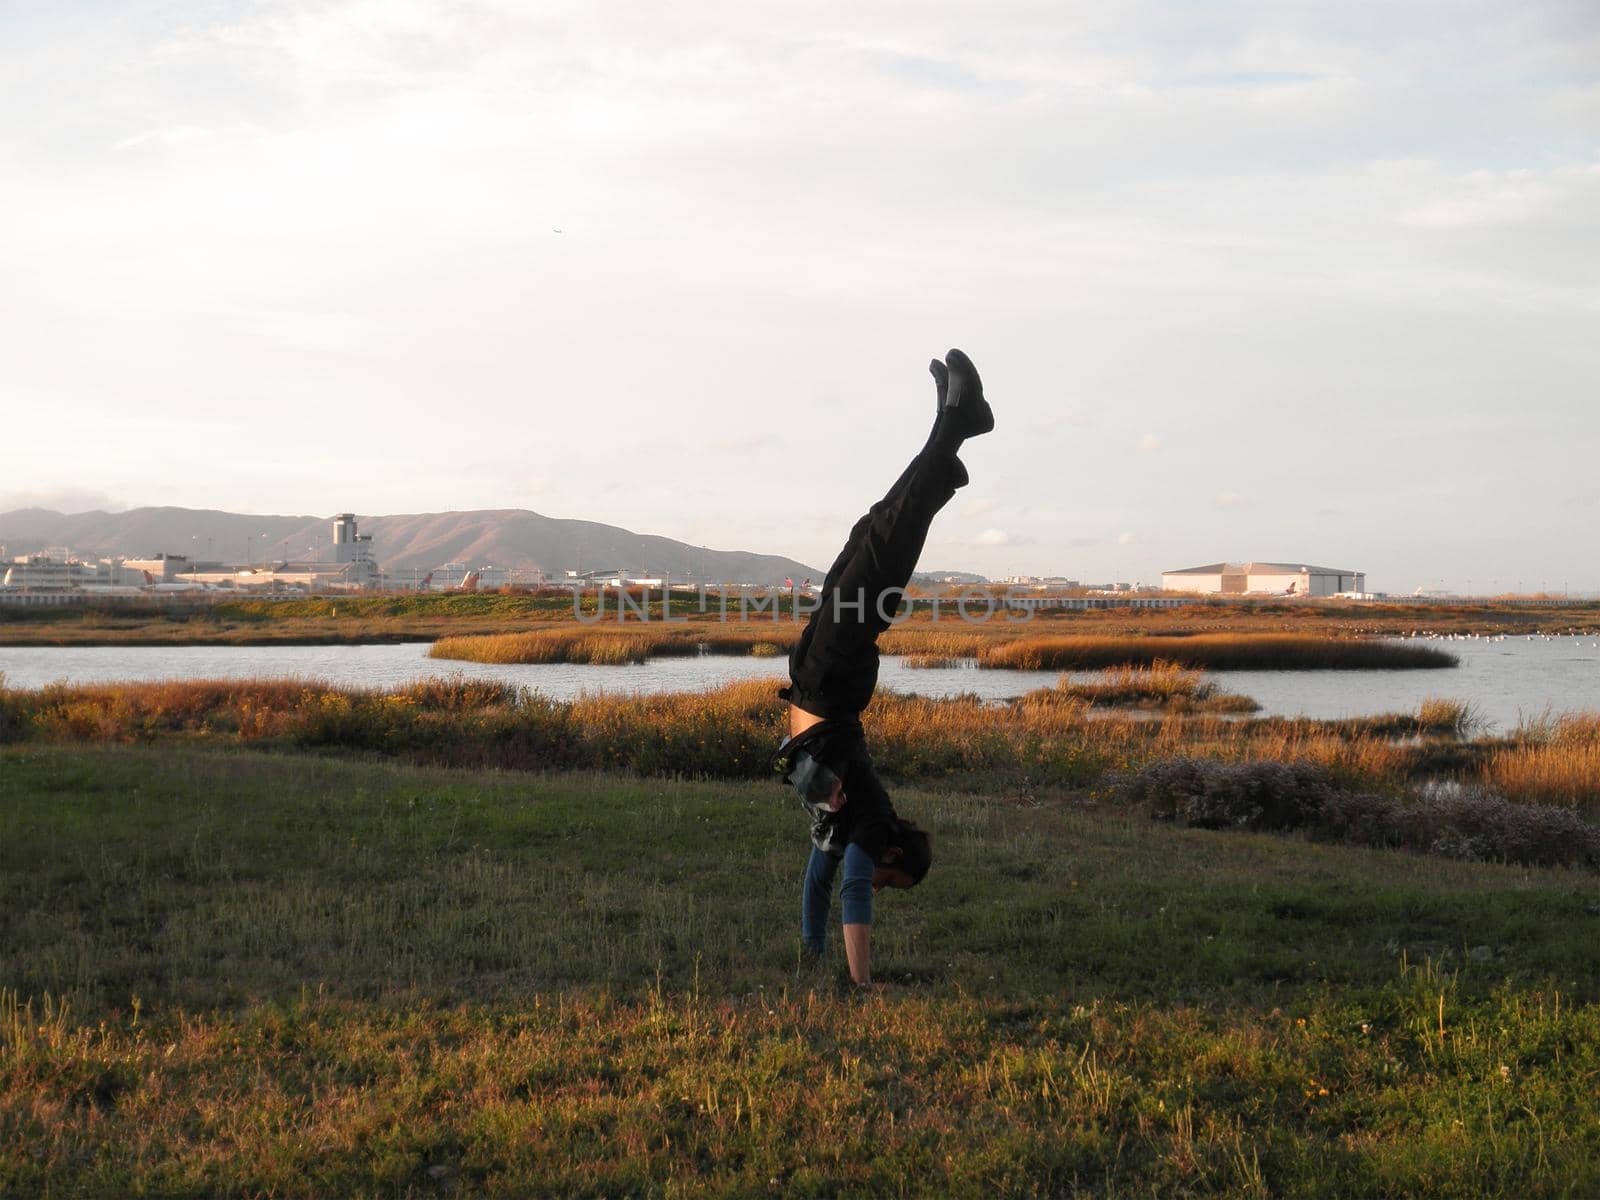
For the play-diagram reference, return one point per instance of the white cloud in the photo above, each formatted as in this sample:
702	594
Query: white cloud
1490	199
978	507
1228	500
1066	418
175	137
1126	539
329	221
60	499
992	537
754	443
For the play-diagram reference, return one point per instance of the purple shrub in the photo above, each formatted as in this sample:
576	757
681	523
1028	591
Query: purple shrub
1465	823
1453	822
1208	794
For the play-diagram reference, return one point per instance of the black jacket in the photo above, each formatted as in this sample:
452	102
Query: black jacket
838	748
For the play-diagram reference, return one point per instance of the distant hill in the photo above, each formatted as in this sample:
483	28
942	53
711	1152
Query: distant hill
931	577
512	538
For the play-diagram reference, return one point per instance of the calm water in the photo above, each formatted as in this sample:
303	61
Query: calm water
1504	680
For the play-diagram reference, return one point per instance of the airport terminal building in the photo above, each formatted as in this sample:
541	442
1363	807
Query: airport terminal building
1264	578
37	579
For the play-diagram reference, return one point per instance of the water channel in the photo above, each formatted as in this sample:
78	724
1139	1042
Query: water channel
1506	680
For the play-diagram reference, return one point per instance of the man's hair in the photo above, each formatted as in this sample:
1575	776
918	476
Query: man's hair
916	853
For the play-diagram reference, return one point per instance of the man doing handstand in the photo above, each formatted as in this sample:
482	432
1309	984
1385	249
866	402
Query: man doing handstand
833	671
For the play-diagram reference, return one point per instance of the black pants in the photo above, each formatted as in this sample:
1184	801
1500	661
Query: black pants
833	668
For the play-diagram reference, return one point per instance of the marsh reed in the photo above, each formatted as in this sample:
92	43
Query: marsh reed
1162	685
727	732
1550	760
616	645
995	645
1213	652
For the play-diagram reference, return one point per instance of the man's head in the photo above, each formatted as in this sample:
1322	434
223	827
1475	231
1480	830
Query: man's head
905	863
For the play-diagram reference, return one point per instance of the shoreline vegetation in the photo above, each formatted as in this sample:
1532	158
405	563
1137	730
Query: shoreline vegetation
399	617
1078	734
935	646
1162	686
240	973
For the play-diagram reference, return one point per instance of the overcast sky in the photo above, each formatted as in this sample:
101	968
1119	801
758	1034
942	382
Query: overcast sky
1245	280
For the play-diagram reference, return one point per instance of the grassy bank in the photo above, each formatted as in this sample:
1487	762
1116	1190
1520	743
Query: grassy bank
299	976
607	643
1214	652
932	645
427	617
1052	737
330	620
610	645
1162	686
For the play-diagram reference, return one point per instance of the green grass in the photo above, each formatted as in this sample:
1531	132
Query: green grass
294	975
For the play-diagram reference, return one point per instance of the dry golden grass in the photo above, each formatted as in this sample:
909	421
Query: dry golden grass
1161	685
1441	714
1052	737
1565	775
1351	757
618	643
414	617
995	644
1161	678
728	731
1217	652
613	642
961	640
1551	761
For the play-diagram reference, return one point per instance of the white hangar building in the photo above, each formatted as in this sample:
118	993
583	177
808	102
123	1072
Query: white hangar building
1283	579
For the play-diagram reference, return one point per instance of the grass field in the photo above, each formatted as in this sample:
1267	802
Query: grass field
248	974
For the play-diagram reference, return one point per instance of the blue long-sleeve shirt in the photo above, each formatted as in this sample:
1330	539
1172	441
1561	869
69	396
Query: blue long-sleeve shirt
855	893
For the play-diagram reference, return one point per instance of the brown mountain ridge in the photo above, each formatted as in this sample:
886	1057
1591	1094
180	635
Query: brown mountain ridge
513	538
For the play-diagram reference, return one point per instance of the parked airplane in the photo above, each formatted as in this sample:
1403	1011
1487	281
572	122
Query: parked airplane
150	585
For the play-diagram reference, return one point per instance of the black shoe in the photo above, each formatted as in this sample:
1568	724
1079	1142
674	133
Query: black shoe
941	381
967	413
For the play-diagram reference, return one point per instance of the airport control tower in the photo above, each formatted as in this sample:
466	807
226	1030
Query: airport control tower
348	545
